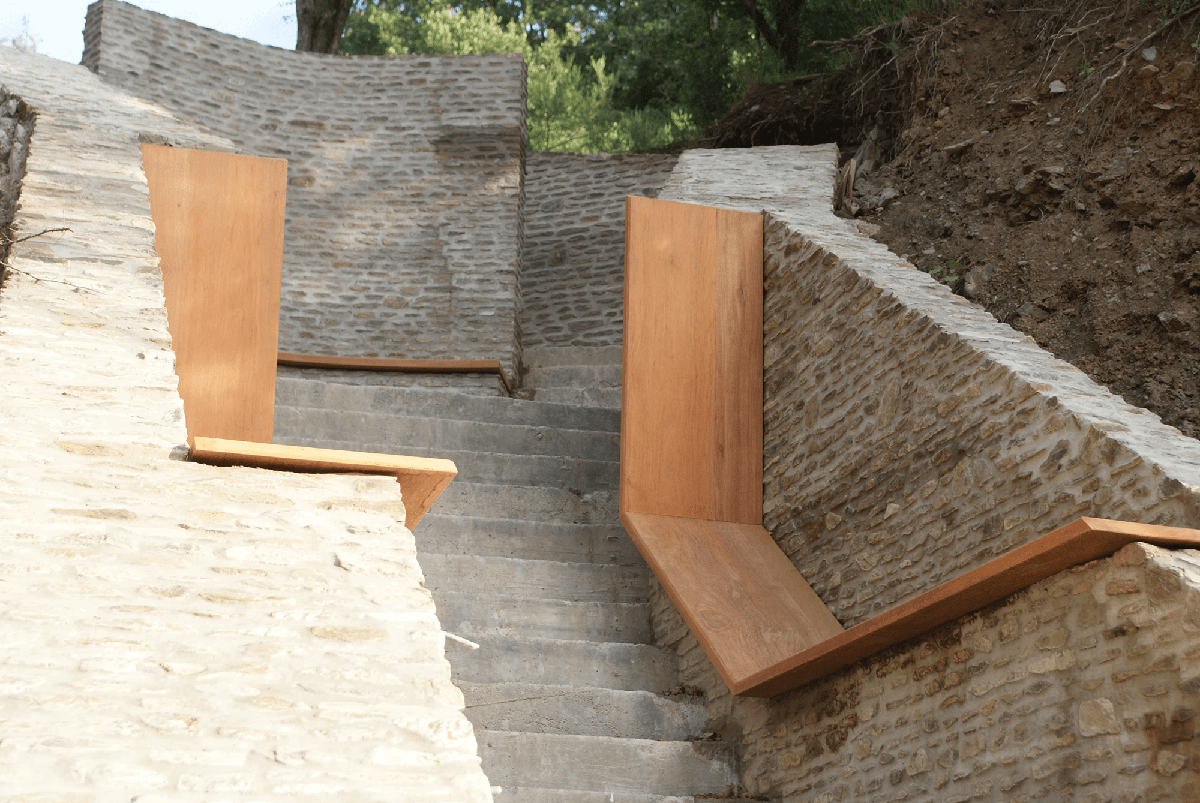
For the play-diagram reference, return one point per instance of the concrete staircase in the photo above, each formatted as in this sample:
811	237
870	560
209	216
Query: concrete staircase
577	375
525	556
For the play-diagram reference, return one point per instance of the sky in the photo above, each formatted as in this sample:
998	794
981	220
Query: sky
57	25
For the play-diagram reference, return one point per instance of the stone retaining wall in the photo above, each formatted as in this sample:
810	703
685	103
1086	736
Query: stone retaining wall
910	437
404	178
174	631
16	126
573	263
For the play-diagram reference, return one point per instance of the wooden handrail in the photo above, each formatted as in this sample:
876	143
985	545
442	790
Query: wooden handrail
691	469
330	361
422	479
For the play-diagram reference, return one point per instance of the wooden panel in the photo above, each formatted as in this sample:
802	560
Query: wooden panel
422	479
691	423
1079	542
218	221
743	600
402	366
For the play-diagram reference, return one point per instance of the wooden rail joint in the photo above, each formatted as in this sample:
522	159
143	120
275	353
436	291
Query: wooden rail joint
422	479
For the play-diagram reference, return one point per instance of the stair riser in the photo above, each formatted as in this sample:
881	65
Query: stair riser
550	356
399	432
528	504
605	765
588	712
631	667
598	398
475	616
305	393
574	376
496	469
535	579
508	538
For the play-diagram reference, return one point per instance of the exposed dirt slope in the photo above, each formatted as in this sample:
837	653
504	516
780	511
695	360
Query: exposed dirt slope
1045	167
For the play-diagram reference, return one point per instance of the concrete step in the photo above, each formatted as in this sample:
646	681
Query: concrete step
596	398
583	711
461	535
475	615
554	662
396	432
494	469
576	376
307	393
519	794
528	503
547	356
603	764
536	579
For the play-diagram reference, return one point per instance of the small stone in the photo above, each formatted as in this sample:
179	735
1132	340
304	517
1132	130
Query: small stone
1143	268
1150	53
1097	717
1057	87
832	520
1170	763
958	147
1172	322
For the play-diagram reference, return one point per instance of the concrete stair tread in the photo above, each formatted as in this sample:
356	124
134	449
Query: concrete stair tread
529	503
479	614
400	430
459	535
576	376
536	579
560	662
605	764
524	794
496	469
583	711
595	398
317	394
547	356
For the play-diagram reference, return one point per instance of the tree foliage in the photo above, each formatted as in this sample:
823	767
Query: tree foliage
623	74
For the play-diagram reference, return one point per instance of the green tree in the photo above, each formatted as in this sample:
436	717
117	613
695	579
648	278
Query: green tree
570	106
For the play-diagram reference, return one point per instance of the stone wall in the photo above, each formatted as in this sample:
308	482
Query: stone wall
1082	687
404	178
173	631
16	126
573	264
908	438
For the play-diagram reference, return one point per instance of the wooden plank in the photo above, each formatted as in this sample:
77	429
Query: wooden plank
422	479
218	221
743	600
400	366
1078	542
691	423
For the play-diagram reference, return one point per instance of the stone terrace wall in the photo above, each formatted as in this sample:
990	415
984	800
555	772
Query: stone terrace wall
16	126
404	178
574	259
1082	687
174	631
910	437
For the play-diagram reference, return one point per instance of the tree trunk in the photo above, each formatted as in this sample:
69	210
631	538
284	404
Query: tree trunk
319	24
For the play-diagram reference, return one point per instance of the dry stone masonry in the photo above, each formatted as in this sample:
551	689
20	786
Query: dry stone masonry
404	178
173	631
910	437
573	265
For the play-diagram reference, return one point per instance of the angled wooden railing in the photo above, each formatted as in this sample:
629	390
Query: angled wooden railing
691	468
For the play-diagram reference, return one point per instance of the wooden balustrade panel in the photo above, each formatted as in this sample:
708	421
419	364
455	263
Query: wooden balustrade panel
691	421
218	222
